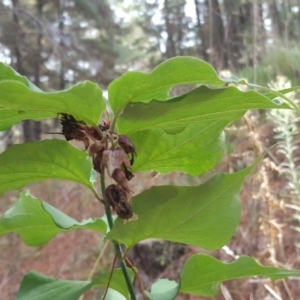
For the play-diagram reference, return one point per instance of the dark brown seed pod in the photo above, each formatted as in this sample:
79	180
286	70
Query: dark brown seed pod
115	194
127	172
104	126
92	133
73	129
96	152
127	146
119	176
70	127
95	148
114	159
124	210
117	199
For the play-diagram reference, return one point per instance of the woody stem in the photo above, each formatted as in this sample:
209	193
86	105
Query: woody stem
118	248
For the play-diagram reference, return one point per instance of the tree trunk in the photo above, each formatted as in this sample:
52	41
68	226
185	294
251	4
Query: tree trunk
216	35
277	25
32	129
170	46
239	19
17	51
62	83
179	27
199	41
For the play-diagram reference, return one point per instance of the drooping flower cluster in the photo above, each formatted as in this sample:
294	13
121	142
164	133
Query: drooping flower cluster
77	130
111	152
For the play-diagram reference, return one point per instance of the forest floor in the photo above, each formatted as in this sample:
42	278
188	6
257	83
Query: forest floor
265	231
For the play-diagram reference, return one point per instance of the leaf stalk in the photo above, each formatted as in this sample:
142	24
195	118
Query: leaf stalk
117	245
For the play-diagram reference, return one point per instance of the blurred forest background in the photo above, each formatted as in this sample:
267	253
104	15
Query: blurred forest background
56	43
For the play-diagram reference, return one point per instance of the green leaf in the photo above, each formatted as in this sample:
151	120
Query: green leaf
37	286
185	133
163	289
205	216
36	161
84	101
273	95
143	87
113	295
202	274
117	282
37	221
10	117
8	73
21	100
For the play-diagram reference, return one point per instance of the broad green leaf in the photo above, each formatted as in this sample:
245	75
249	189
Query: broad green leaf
10	117
205	216
37	286
279	97
113	295
31	162
37	221
46	105
117	282
185	133
202	274
8	73
163	289
285	91
143	87
84	101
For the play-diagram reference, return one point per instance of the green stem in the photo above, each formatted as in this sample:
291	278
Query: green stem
117	245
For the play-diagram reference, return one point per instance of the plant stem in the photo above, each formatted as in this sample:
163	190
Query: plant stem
96	264
110	276
98	260
125	271
141	284
117	245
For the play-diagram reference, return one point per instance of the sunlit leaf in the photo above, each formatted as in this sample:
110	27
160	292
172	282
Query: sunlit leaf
18	102
185	133
285	91
117	282
113	295
31	162
163	289
10	117
143	87
37	221
37	286
8	73
205	216
202	274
